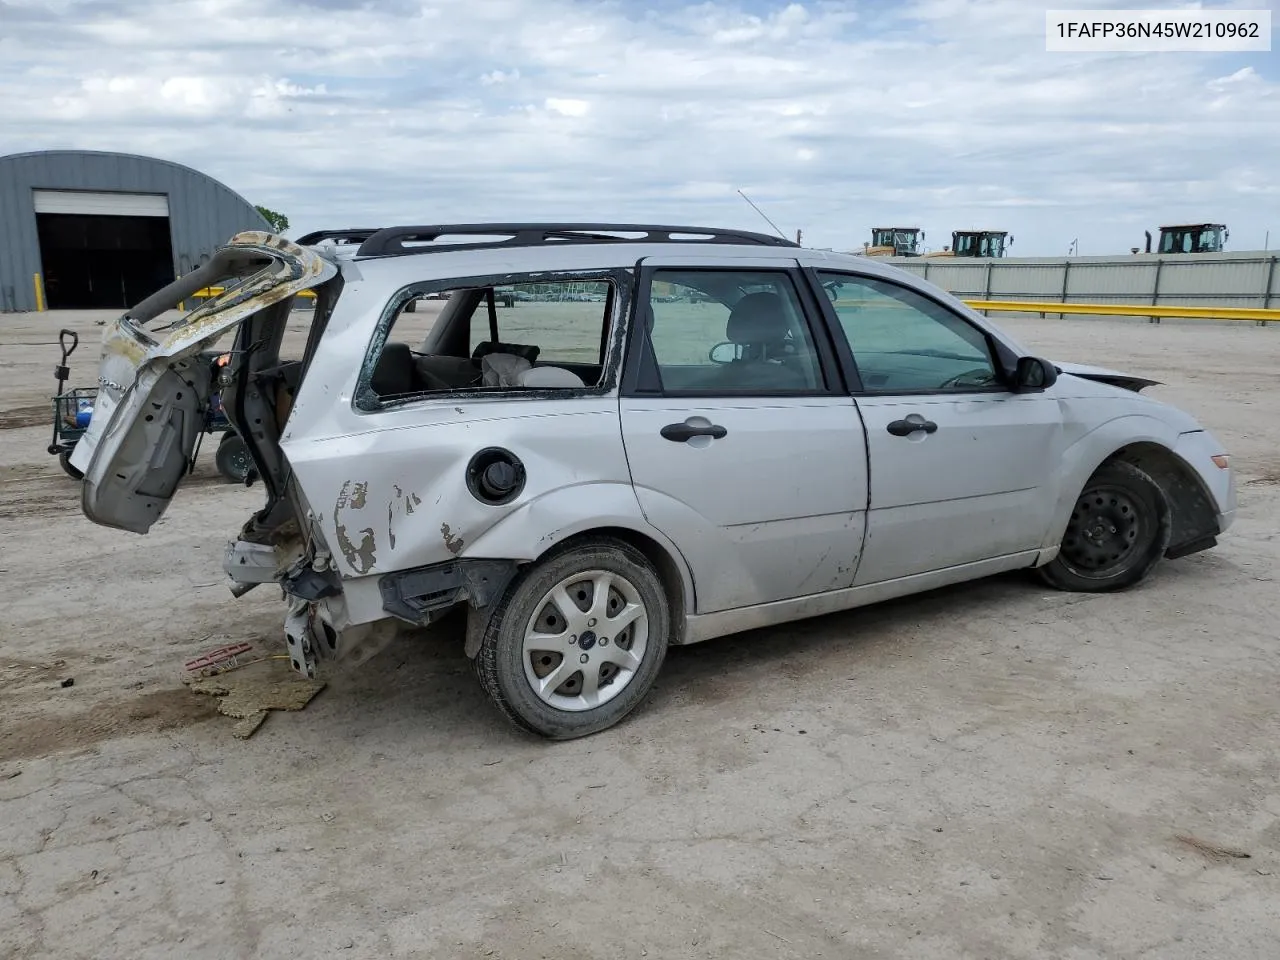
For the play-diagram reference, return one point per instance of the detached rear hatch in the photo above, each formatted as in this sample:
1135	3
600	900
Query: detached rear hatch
154	387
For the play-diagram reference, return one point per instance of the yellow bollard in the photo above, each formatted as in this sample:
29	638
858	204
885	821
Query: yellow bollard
39	285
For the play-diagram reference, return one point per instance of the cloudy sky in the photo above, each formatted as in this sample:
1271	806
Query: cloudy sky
833	115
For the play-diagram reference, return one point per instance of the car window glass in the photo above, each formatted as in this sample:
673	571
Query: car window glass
903	342
566	319
732	331
539	335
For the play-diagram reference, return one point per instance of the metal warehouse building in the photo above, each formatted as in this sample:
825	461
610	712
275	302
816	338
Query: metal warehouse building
84	229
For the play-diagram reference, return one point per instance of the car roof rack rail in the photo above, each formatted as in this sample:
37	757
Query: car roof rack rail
398	241
350	235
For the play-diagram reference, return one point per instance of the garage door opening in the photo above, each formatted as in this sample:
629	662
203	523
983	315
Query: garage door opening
102	250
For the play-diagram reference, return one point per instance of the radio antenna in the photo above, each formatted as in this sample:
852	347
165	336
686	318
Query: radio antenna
762	213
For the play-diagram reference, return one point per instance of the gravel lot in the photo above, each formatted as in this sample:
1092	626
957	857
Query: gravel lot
988	771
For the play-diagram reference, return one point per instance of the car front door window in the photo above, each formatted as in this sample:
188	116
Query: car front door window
902	342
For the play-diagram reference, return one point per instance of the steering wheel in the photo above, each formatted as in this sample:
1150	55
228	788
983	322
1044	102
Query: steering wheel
982	377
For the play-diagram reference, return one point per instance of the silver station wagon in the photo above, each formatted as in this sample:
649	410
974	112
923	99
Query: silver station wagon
601	440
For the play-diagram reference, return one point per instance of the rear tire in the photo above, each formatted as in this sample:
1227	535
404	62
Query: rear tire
64	461
577	640
232	458
1118	531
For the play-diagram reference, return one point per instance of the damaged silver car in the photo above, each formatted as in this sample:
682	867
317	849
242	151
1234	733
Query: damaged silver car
602	440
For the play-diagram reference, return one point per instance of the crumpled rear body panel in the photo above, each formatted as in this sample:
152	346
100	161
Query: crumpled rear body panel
153	391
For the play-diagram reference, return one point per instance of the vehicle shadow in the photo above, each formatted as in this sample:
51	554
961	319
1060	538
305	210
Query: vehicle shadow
425	680
726	667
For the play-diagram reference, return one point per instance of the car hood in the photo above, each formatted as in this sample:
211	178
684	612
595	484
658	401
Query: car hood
1103	375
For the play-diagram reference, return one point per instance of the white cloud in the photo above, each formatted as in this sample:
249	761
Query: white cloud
494	77
568	107
831	114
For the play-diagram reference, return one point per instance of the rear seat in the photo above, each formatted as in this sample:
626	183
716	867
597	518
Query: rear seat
445	373
401	372
394	374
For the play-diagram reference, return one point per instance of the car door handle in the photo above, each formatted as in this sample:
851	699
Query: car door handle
680	432
904	428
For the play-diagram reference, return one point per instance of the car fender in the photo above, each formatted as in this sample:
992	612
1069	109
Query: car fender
1197	449
1088	452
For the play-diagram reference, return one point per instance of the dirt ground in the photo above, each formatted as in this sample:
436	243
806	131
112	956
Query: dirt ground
990	771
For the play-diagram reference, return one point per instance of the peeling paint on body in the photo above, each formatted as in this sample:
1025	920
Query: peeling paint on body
400	505
453	543
359	492
364	556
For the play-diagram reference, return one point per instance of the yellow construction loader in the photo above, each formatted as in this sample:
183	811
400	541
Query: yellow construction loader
1190	238
894	242
976	243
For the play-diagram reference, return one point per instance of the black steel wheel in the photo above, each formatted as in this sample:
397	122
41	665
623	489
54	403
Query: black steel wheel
1118	530
232	458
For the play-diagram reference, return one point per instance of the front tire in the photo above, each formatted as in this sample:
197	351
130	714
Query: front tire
577	641
1118	531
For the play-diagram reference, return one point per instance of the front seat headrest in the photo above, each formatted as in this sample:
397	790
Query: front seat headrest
757	318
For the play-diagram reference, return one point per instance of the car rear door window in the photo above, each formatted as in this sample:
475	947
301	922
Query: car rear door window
731	332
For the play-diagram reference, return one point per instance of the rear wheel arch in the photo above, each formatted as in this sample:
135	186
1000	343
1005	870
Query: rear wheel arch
673	572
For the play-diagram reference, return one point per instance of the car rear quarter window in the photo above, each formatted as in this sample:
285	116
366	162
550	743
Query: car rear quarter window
566	319
543	335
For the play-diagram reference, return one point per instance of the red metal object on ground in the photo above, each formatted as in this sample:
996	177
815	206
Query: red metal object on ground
223	656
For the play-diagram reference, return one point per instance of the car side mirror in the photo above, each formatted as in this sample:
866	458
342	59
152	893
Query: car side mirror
1033	374
725	352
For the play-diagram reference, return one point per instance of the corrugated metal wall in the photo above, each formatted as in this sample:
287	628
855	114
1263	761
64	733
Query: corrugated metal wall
1247	279
202	212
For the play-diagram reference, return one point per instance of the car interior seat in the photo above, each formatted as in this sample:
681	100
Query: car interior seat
393	374
758	324
485	348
